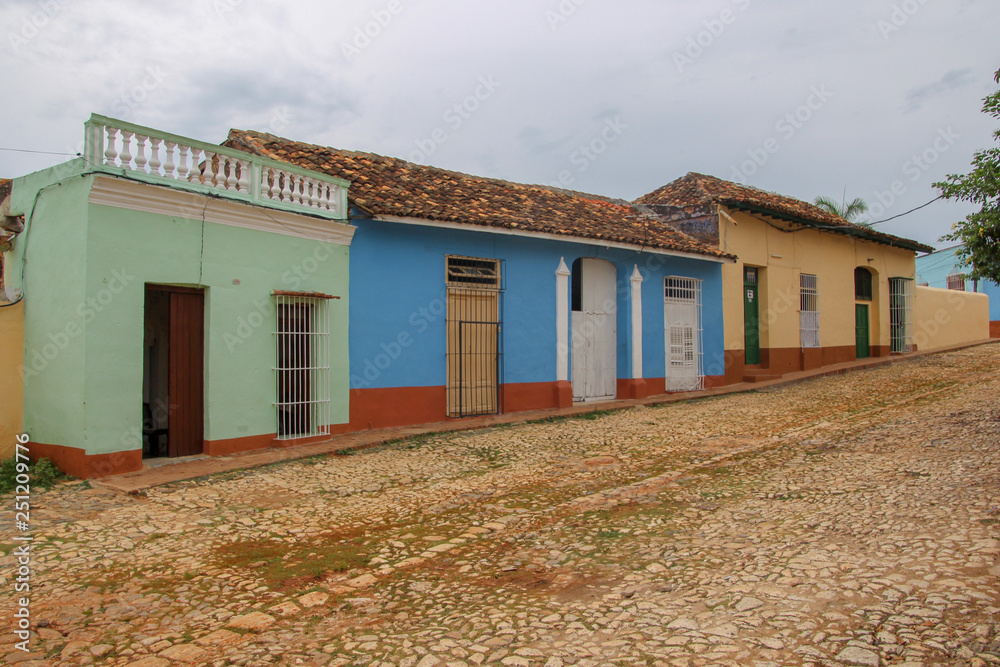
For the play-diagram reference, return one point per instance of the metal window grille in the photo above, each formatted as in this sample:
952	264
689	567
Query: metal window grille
474	336
901	314
473	271
956	281
302	369
683	322
809	310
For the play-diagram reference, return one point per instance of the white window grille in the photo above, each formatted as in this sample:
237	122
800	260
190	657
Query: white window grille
302	369
956	281
683	328
809	310
901	314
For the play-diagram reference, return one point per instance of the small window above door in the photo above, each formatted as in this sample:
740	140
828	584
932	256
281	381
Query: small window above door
862	284
473	271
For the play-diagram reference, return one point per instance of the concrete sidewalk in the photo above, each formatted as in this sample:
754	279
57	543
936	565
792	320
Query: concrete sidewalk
166	471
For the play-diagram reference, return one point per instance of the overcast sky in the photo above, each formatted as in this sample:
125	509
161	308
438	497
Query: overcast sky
615	98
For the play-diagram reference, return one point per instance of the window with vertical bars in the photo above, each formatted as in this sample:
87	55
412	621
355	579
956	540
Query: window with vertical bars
683	325
901	314
473	272
809	310
302	368
956	281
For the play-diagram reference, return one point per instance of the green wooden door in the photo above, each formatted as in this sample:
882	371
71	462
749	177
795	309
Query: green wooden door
861	336
751	316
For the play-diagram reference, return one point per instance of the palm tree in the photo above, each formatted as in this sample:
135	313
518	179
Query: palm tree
849	211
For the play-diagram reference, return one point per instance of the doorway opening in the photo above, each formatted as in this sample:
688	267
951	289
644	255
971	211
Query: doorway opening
173	395
595	327
474	356
751	315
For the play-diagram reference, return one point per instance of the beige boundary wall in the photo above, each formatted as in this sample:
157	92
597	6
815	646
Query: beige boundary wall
11	385
943	317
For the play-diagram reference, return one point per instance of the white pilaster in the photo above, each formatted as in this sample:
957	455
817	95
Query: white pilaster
636	322
562	321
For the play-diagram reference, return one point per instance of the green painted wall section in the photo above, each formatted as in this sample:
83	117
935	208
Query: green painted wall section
88	265
55	269
239	322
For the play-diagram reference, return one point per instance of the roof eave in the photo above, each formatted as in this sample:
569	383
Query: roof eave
851	230
716	256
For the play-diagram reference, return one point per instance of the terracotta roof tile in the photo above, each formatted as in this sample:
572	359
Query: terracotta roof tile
386	186
698	189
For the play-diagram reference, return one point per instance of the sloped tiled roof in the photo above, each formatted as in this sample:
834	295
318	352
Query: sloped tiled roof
386	186
698	189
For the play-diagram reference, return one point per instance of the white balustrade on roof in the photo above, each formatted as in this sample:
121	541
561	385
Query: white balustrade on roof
159	157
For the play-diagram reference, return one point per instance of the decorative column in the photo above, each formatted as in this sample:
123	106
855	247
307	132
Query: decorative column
564	390
636	385
636	323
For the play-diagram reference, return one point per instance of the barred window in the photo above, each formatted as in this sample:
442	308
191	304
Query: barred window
809	310
302	369
956	281
683	329
901	314
472	272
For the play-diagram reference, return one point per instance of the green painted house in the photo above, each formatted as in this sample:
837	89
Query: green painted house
178	298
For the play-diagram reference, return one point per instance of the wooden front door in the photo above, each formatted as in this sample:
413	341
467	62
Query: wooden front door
861	334
594	323
186	384
751	315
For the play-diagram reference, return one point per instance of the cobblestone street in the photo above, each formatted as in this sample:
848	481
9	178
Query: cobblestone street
850	520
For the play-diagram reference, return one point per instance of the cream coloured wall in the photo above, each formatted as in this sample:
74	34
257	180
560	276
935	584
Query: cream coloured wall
943	318
784	256
11	385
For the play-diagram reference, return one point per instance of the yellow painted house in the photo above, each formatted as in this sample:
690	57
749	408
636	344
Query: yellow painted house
809	289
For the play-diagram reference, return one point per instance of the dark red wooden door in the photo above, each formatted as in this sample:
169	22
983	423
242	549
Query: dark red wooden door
187	373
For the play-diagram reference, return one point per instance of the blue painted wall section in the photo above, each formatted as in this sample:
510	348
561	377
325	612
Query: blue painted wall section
935	268
398	302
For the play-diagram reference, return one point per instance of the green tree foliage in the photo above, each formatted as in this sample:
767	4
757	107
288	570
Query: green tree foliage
848	210
979	233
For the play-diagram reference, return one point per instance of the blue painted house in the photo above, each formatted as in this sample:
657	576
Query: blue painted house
474	296
942	269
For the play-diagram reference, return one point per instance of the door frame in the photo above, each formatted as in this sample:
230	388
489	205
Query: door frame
682	311
862	344
585	367
185	369
751	315
474	384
